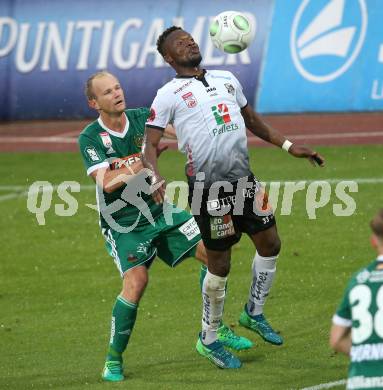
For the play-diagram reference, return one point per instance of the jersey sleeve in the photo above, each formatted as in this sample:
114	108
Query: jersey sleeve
139	116
240	97
343	317
161	112
92	154
144	113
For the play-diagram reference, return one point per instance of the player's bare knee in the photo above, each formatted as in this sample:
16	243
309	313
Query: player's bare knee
219	268
138	283
267	243
270	249
135	282
276	247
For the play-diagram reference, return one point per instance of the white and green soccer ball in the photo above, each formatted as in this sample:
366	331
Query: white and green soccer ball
232	31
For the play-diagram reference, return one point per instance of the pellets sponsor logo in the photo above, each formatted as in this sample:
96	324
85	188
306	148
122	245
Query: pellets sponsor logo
225	129
221	114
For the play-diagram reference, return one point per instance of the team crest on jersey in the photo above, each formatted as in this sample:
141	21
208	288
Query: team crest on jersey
189	99
107	142
138	140
230	88
105	138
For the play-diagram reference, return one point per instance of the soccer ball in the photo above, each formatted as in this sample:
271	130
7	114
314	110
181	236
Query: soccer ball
231	31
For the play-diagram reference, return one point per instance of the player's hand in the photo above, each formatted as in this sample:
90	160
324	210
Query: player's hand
160	149
158	189
302	151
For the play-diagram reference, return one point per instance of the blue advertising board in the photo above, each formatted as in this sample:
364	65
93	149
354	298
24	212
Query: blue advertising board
323	55
49	48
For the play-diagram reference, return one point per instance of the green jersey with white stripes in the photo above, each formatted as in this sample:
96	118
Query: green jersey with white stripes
130	205
361	309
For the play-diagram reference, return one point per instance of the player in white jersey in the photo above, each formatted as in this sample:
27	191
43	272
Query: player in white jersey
211	114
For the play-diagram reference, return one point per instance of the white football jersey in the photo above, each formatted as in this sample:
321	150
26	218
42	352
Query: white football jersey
206	114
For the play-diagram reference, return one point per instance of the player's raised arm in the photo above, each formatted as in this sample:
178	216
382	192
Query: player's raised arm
262	130
149	157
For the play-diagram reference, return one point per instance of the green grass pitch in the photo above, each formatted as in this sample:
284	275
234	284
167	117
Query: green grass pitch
57	285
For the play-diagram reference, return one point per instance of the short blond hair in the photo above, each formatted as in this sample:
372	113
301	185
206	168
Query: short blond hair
377	224
89	83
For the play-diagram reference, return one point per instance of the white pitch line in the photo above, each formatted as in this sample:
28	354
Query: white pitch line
12	196
336	135
328	385
53	139
75	133
72	140
21	188
359	180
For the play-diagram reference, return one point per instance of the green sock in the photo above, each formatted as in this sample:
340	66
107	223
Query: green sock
202	274
123	318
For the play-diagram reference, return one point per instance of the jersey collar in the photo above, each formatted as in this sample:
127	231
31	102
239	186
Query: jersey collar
180	76
112	132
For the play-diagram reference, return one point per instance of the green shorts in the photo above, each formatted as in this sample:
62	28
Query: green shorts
171	243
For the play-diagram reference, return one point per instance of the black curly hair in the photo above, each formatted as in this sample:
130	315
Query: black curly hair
162	38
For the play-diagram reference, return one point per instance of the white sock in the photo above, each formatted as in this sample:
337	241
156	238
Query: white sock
213	295
263	274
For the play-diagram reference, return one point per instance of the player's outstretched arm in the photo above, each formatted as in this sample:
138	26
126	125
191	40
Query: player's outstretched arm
262	130
149	159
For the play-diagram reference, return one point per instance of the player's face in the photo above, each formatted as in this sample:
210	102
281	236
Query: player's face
182	50
109	95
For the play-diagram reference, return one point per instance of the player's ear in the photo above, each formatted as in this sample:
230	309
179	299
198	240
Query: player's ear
373	241
92	103
168	58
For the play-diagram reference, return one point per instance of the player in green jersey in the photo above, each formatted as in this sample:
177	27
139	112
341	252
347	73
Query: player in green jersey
136	229
357	328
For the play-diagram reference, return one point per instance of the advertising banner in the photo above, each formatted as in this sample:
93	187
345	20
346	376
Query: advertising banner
323	55
49	48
